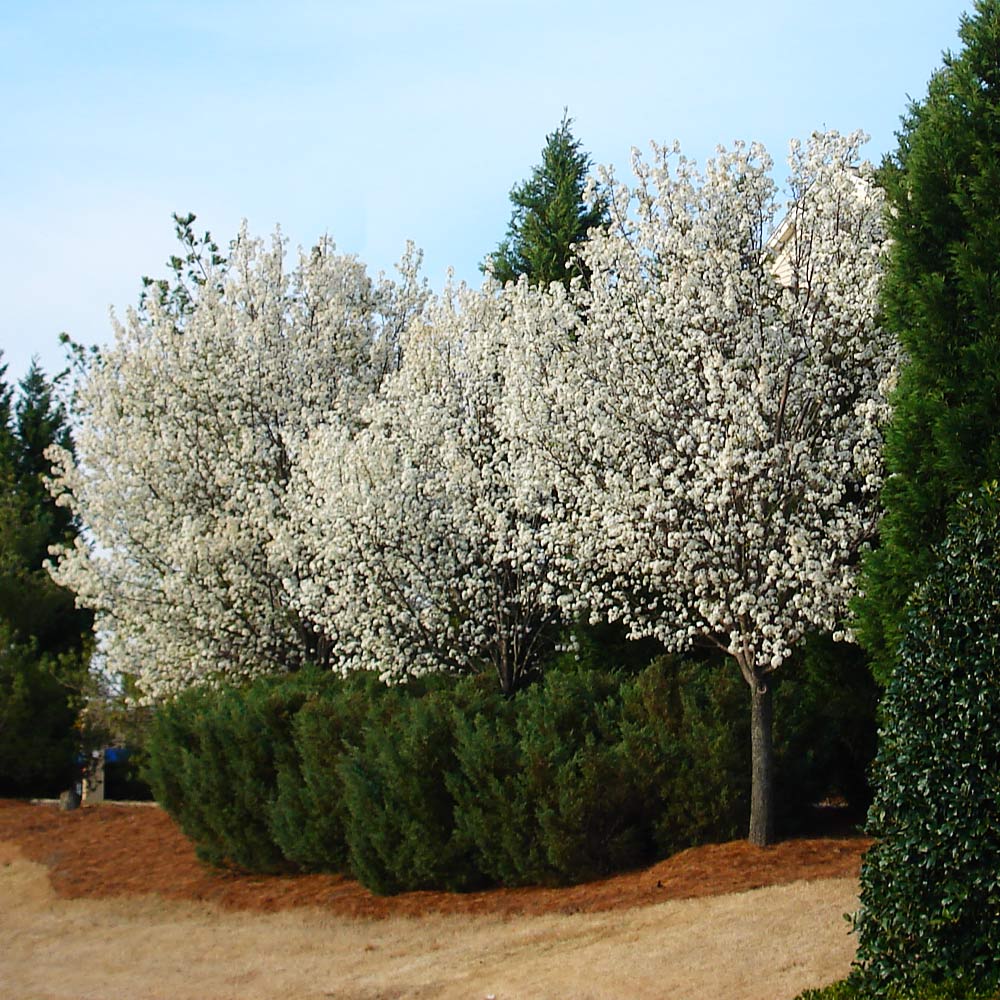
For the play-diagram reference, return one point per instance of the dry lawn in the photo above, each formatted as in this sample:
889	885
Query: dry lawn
111	902
764	944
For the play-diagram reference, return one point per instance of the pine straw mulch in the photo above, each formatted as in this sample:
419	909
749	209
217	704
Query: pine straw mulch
114	850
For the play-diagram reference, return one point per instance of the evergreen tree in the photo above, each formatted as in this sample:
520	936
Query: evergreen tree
550	216
44	638
941	296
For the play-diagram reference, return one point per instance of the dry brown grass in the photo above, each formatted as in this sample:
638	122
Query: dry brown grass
765	944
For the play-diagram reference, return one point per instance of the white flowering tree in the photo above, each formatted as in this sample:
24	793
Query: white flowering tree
189	431
713	432
427	549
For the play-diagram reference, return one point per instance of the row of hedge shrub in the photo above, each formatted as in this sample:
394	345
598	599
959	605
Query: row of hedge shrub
441	782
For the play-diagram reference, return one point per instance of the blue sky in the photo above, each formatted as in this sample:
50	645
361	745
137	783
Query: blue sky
382	121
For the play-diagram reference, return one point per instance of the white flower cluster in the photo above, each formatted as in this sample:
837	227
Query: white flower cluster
427	549
318	468
188	436
713	433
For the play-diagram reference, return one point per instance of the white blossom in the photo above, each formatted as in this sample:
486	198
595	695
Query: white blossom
713	433
188	435
428	553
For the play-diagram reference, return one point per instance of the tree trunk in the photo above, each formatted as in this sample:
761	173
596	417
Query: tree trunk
762	773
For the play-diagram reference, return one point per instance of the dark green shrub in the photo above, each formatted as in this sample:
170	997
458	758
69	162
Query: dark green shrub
930	887
853	988
214	754
309	813
686	728
37	740
545	790
442	782
589	772
825	705
400	823
494	807
591	800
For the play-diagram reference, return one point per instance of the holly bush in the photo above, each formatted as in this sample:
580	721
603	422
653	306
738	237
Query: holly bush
930	887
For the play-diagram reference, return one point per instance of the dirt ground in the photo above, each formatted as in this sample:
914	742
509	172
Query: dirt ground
110	902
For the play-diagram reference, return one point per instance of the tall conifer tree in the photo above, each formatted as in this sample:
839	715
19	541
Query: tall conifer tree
550	216
44	639
941	296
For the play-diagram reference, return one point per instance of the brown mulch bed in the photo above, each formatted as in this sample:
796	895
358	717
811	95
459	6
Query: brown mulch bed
114	850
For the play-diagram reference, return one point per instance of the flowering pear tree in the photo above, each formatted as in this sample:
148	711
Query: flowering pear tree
189	432
428	553
712	433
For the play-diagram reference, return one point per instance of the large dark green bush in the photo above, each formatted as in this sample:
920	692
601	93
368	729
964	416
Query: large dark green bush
544	787
443	782
589	771
400	825
930	888
309	814
583	793
214	755
685	726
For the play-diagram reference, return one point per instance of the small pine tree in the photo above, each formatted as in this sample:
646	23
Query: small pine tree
941	296
550	217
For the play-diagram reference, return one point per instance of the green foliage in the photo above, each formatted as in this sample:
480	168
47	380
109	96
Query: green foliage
37	741
214	757
550	216
825	729
495	810
843	990
687	728
853	988
443	782
401	828
201	262
940	297
606	646
309	815
589	772
544	787
36	610
930	888
44	639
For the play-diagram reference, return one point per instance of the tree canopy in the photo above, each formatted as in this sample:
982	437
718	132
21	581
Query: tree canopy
190	431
